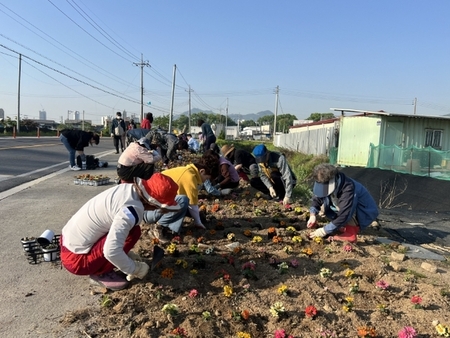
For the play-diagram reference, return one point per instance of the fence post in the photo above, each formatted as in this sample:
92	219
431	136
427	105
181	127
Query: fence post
14	131
38	133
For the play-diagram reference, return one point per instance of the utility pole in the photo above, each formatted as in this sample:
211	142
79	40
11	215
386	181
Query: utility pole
82	122
415	105
226	120
18	95
173	94
277	91
142	64
189	91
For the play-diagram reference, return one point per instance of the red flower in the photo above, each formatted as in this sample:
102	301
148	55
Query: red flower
311	311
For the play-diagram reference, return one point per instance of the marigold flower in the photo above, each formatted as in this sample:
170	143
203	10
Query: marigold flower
247	233
349	273
167	273
307	251
272	230
215	207
243	335
227	291
283	290
277	239
366	332
245	314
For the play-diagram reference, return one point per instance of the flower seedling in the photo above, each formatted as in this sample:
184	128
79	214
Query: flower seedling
206	315
407	332
227	291
417	301
170	309
310	311
283	267
105	301
325	273
248	269
257	239
366	332
442	330
381	284
179	333
283	290
241	334
296	239
348	306
354	288
193	293
277	309
349	273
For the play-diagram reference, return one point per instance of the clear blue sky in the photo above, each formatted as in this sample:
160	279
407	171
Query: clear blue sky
368	55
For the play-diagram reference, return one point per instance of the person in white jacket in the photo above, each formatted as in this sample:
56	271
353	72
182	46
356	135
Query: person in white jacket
97	240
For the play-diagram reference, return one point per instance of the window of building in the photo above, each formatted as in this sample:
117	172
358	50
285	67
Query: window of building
433	138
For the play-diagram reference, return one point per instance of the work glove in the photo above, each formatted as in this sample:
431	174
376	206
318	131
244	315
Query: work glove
238	166
217	186
139	272
225	192
311	222
318	233
286	200
272	192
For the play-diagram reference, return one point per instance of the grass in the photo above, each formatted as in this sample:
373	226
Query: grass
301	164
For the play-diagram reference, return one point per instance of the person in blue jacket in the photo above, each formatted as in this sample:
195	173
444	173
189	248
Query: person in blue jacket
346	203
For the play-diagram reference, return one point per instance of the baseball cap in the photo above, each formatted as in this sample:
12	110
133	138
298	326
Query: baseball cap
159	190
144	142
260	152
324	189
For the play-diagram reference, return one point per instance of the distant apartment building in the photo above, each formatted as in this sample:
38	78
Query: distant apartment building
2	113
42	115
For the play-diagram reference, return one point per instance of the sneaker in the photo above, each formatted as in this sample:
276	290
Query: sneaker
110	280
159	233
75	168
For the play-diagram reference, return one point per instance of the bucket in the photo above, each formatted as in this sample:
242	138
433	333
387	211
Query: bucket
46	238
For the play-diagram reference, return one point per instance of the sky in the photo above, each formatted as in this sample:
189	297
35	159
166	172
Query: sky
230	56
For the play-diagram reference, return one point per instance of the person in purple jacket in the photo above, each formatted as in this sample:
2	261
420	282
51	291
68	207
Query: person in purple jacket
346	203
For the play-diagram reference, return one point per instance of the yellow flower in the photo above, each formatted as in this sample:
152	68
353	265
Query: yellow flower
282	290
194	272
349	299
227	290
182	262
349	273
346	308
257	239
243	335
318	240
296	239
172	248
307	251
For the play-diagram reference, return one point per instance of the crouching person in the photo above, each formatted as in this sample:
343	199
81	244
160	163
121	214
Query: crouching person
97	240
346	203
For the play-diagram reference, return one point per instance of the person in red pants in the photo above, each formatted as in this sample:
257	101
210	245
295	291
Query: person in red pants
345	202
97	240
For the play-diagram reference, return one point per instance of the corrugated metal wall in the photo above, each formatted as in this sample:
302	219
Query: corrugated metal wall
314	142
355	136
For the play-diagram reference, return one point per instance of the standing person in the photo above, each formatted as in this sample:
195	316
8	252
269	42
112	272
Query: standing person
192	143
147	121
99	237
137	160
347	204
188	178
75	141
132	125
243	161
207	133
118	131
276	176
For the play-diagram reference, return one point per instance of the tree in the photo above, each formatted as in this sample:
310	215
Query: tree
161	121
247	123
320	116
181	122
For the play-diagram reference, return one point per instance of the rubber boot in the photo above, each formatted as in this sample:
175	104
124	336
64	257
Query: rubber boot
347	234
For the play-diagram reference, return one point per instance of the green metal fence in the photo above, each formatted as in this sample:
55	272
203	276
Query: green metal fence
412	160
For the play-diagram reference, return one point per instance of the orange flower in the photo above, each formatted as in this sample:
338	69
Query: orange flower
200	239
366	332
237	250
247	233
212	232
167	273
277	239
215	208
272	230
282	223
155	241
245	315
202	208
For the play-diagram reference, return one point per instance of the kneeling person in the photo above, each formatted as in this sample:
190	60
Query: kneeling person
98	238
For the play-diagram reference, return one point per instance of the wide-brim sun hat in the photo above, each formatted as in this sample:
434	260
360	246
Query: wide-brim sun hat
144	142
324	189
226	149
159	190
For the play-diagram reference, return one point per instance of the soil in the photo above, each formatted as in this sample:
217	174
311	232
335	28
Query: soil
204	264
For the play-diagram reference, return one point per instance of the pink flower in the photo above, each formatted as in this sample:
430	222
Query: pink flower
416	300
382	285
407	332
280	333
348	248
311	311
294	263
193	293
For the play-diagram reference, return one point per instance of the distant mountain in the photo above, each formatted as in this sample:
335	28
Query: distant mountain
234	117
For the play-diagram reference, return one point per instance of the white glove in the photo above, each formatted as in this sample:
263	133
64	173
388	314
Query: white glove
238	166
139	272
318	233
286	200
311	222
272	192
224	192
112	135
